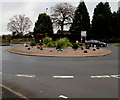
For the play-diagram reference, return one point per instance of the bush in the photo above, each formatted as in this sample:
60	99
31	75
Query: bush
33	44
85	51
87	47
68	44
63	42
75	46
94	49
47	40
50	44
82	48
97	48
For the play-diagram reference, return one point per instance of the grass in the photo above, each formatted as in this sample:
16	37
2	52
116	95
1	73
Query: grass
118	44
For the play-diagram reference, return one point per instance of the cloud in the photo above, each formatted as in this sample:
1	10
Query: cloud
58	0
32	9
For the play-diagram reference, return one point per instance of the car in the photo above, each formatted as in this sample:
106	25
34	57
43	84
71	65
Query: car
96	43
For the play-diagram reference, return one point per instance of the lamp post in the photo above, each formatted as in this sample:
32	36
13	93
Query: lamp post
46	10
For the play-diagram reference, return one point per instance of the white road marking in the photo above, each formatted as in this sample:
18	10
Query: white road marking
115	76
64	77
25	75
0	72
106	76
102	76
62	96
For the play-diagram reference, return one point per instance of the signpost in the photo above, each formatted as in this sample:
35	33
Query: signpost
83	35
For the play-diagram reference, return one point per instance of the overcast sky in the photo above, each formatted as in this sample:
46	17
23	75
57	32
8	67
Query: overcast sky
32	8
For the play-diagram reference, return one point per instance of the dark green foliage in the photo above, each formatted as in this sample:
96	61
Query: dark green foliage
102	21
63	42
116	25
75	46
81	20
47	40
43	25
51	45
33	44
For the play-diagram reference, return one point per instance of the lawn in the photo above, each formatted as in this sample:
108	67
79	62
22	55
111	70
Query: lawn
118	44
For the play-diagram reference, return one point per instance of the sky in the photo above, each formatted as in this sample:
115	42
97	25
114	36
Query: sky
32	8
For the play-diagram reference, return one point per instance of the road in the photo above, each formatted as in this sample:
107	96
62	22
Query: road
44	77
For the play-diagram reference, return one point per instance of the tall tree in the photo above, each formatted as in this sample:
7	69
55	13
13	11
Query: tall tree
43	25
81	20
102	21
62	14
19	24
115	25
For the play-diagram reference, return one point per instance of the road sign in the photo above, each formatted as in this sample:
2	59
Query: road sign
83	34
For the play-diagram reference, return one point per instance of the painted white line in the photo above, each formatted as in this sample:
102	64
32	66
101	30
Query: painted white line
14	92
115	76
64	77
62	96
107	76
102	76
0	72
24	75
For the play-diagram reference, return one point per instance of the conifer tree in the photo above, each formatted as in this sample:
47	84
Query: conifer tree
102	21
43	25
81	20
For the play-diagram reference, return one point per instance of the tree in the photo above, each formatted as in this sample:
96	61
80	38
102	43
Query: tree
102	21
116	24
43	25
62	14
19	24
81	20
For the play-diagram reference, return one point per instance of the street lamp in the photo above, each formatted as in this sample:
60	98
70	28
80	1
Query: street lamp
46	10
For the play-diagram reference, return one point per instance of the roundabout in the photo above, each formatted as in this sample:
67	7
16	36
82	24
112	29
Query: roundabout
66	52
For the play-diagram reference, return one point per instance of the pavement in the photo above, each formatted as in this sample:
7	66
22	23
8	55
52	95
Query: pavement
62	77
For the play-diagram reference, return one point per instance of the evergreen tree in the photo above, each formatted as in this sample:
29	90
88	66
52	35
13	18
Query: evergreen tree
102	21
81	20
43	25
115	25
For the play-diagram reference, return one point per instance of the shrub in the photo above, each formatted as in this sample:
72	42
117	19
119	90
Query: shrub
46	40
50	44
82	48
68	44
87	47
94	49
28	48
85	51
75	46
97	48
33	44
62	42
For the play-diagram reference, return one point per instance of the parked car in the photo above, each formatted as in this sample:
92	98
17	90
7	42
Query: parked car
95	42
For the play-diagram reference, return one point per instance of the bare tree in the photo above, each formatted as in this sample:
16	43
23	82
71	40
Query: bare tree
19	24
62	14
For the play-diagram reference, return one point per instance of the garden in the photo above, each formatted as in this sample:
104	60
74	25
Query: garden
61	47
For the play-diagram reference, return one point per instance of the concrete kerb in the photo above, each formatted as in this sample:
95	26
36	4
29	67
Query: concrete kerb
45	55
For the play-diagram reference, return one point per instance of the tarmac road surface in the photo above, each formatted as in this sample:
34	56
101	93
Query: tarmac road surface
59	77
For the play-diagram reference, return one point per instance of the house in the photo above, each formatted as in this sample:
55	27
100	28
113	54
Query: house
63	32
